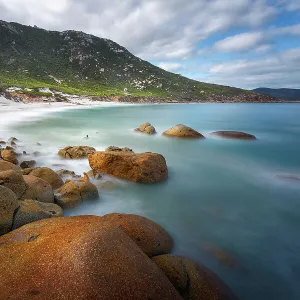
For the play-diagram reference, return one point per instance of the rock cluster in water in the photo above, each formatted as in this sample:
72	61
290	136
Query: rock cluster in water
117	256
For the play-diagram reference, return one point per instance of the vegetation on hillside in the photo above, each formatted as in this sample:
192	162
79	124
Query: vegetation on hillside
77	63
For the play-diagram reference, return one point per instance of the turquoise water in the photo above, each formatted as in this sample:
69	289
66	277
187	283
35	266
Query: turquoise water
223	202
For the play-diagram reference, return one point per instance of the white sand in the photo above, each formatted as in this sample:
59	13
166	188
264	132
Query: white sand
12	112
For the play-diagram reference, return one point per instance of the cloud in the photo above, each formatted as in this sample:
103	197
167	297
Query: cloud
258	41
240	42
290	5
278	70
170	66
151	29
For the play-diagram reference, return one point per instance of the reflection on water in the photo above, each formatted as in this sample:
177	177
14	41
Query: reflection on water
225	203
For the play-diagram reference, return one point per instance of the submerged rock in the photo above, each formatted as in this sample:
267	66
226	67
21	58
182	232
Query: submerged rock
106	185
8	204
234	135
192	280
48	175
12	178
182	131
146	128
118	149
143	168
72	193
289	177
94	174
43	260
38	189
31	211
76	152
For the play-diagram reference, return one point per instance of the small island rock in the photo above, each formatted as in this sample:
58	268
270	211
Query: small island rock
234	135
146	128
182	131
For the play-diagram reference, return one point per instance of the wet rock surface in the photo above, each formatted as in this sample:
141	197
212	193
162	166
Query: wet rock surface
143	168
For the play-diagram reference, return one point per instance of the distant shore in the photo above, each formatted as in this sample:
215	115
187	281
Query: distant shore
23	96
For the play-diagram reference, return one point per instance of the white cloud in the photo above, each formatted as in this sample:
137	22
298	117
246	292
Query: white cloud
258	41
278	70
240	42
152	29
168	66
290	5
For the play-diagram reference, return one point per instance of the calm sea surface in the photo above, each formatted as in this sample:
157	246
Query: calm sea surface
226	202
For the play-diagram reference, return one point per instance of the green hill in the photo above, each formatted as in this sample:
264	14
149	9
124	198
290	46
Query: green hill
79	63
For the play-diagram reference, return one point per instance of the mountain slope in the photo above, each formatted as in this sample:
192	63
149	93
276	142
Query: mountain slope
75	62
285	94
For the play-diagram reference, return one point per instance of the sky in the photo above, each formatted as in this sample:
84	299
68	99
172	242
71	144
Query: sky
242	43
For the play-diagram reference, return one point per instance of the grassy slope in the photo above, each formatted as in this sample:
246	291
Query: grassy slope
32	57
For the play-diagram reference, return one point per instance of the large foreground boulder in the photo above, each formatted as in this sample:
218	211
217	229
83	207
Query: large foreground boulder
76	152
72	193
12	178
78	258
149	236
238	135
143	168
192	280
8	204
38	189
146	128
31	211
182	131
48	175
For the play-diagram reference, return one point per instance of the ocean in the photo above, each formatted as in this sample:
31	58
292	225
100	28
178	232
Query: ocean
232	205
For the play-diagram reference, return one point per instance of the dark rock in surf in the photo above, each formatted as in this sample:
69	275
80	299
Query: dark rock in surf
238	135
